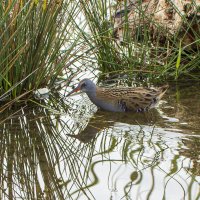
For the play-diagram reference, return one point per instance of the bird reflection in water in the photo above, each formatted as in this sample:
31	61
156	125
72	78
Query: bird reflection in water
103	120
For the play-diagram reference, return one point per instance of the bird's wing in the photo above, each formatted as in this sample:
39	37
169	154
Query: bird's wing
138	99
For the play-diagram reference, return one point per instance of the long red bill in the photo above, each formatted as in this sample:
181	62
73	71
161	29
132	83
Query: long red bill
74	90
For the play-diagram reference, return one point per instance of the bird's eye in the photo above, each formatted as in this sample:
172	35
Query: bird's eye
83	85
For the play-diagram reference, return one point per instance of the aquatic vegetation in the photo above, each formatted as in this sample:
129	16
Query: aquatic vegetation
43	40
129	40
38	44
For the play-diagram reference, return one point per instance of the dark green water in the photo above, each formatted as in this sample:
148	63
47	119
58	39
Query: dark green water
73	151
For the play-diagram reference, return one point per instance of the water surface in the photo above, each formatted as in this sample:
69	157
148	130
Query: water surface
74	151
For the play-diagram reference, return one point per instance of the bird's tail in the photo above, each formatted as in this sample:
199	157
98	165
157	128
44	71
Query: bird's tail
163	89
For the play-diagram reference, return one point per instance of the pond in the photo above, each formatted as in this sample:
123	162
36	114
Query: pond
71	150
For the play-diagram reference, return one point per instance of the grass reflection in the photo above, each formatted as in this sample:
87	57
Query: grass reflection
35	156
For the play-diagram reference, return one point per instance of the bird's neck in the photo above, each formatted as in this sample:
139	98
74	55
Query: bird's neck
92	94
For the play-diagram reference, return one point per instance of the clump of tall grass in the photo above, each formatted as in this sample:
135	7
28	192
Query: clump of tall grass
32	34
159	55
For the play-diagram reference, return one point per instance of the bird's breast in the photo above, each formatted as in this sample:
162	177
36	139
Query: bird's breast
107	105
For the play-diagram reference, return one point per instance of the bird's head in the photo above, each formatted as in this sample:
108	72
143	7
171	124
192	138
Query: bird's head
85	85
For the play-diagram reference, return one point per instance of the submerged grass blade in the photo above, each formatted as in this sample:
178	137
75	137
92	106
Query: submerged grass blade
178	62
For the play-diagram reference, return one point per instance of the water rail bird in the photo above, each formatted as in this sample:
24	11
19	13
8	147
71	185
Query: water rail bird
136	99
